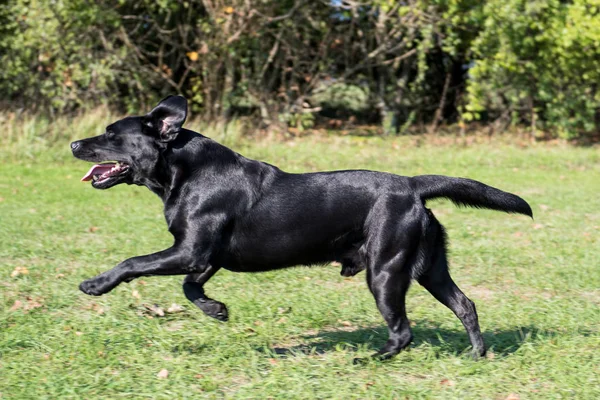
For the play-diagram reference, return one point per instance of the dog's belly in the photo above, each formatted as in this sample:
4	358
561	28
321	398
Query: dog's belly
304	220
265	252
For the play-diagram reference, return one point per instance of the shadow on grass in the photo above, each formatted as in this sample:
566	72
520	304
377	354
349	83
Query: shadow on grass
501	342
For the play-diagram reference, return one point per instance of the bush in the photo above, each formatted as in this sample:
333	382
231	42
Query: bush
528	62
536	62
58	54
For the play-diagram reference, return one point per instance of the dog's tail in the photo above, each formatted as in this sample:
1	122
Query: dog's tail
467	192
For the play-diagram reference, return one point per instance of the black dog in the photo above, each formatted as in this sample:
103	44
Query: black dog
227	211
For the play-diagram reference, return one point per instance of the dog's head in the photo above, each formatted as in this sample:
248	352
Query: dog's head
129	150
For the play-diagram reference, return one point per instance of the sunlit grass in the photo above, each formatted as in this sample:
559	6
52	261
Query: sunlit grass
294	333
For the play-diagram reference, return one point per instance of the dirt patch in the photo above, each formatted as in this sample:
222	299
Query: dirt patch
479	292
591	295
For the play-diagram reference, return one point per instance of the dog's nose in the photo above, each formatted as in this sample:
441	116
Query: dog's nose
75	145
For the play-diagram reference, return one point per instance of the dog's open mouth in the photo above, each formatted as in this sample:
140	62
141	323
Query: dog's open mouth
103	173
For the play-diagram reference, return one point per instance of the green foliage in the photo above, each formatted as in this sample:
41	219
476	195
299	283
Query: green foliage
538	61
56	53
532	63
300	121
344	96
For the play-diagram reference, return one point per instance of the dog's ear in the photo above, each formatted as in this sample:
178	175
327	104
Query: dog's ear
168	117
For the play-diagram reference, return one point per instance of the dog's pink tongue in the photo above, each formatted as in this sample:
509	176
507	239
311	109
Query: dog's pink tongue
97	169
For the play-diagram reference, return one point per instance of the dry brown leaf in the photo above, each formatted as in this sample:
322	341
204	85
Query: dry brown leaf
544	207
92	229
490	355
135	294
32	304
163	374
79	333
94	307
272	361
155	309
538	226
512	396
16	306
447	382
175	308
19	271
346	323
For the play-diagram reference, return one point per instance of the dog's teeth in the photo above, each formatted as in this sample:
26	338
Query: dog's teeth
95	177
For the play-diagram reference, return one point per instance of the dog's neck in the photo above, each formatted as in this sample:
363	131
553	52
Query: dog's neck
161	182
175	164
190	154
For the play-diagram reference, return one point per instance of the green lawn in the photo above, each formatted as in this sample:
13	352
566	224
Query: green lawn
294	333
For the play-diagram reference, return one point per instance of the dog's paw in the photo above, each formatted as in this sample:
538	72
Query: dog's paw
217	310
92	287
213	308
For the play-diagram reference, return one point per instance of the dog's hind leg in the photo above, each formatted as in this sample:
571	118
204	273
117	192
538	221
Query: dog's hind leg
193	288
389	290
438	282
390	253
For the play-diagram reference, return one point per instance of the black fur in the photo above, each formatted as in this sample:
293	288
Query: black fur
227	211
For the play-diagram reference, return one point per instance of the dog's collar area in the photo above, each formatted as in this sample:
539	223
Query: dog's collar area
102	172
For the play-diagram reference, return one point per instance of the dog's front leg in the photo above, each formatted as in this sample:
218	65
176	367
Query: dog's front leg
193	288
172	261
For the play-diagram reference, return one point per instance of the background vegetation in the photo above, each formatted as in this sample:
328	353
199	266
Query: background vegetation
297	64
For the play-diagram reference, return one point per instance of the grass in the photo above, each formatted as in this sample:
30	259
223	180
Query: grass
294	333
